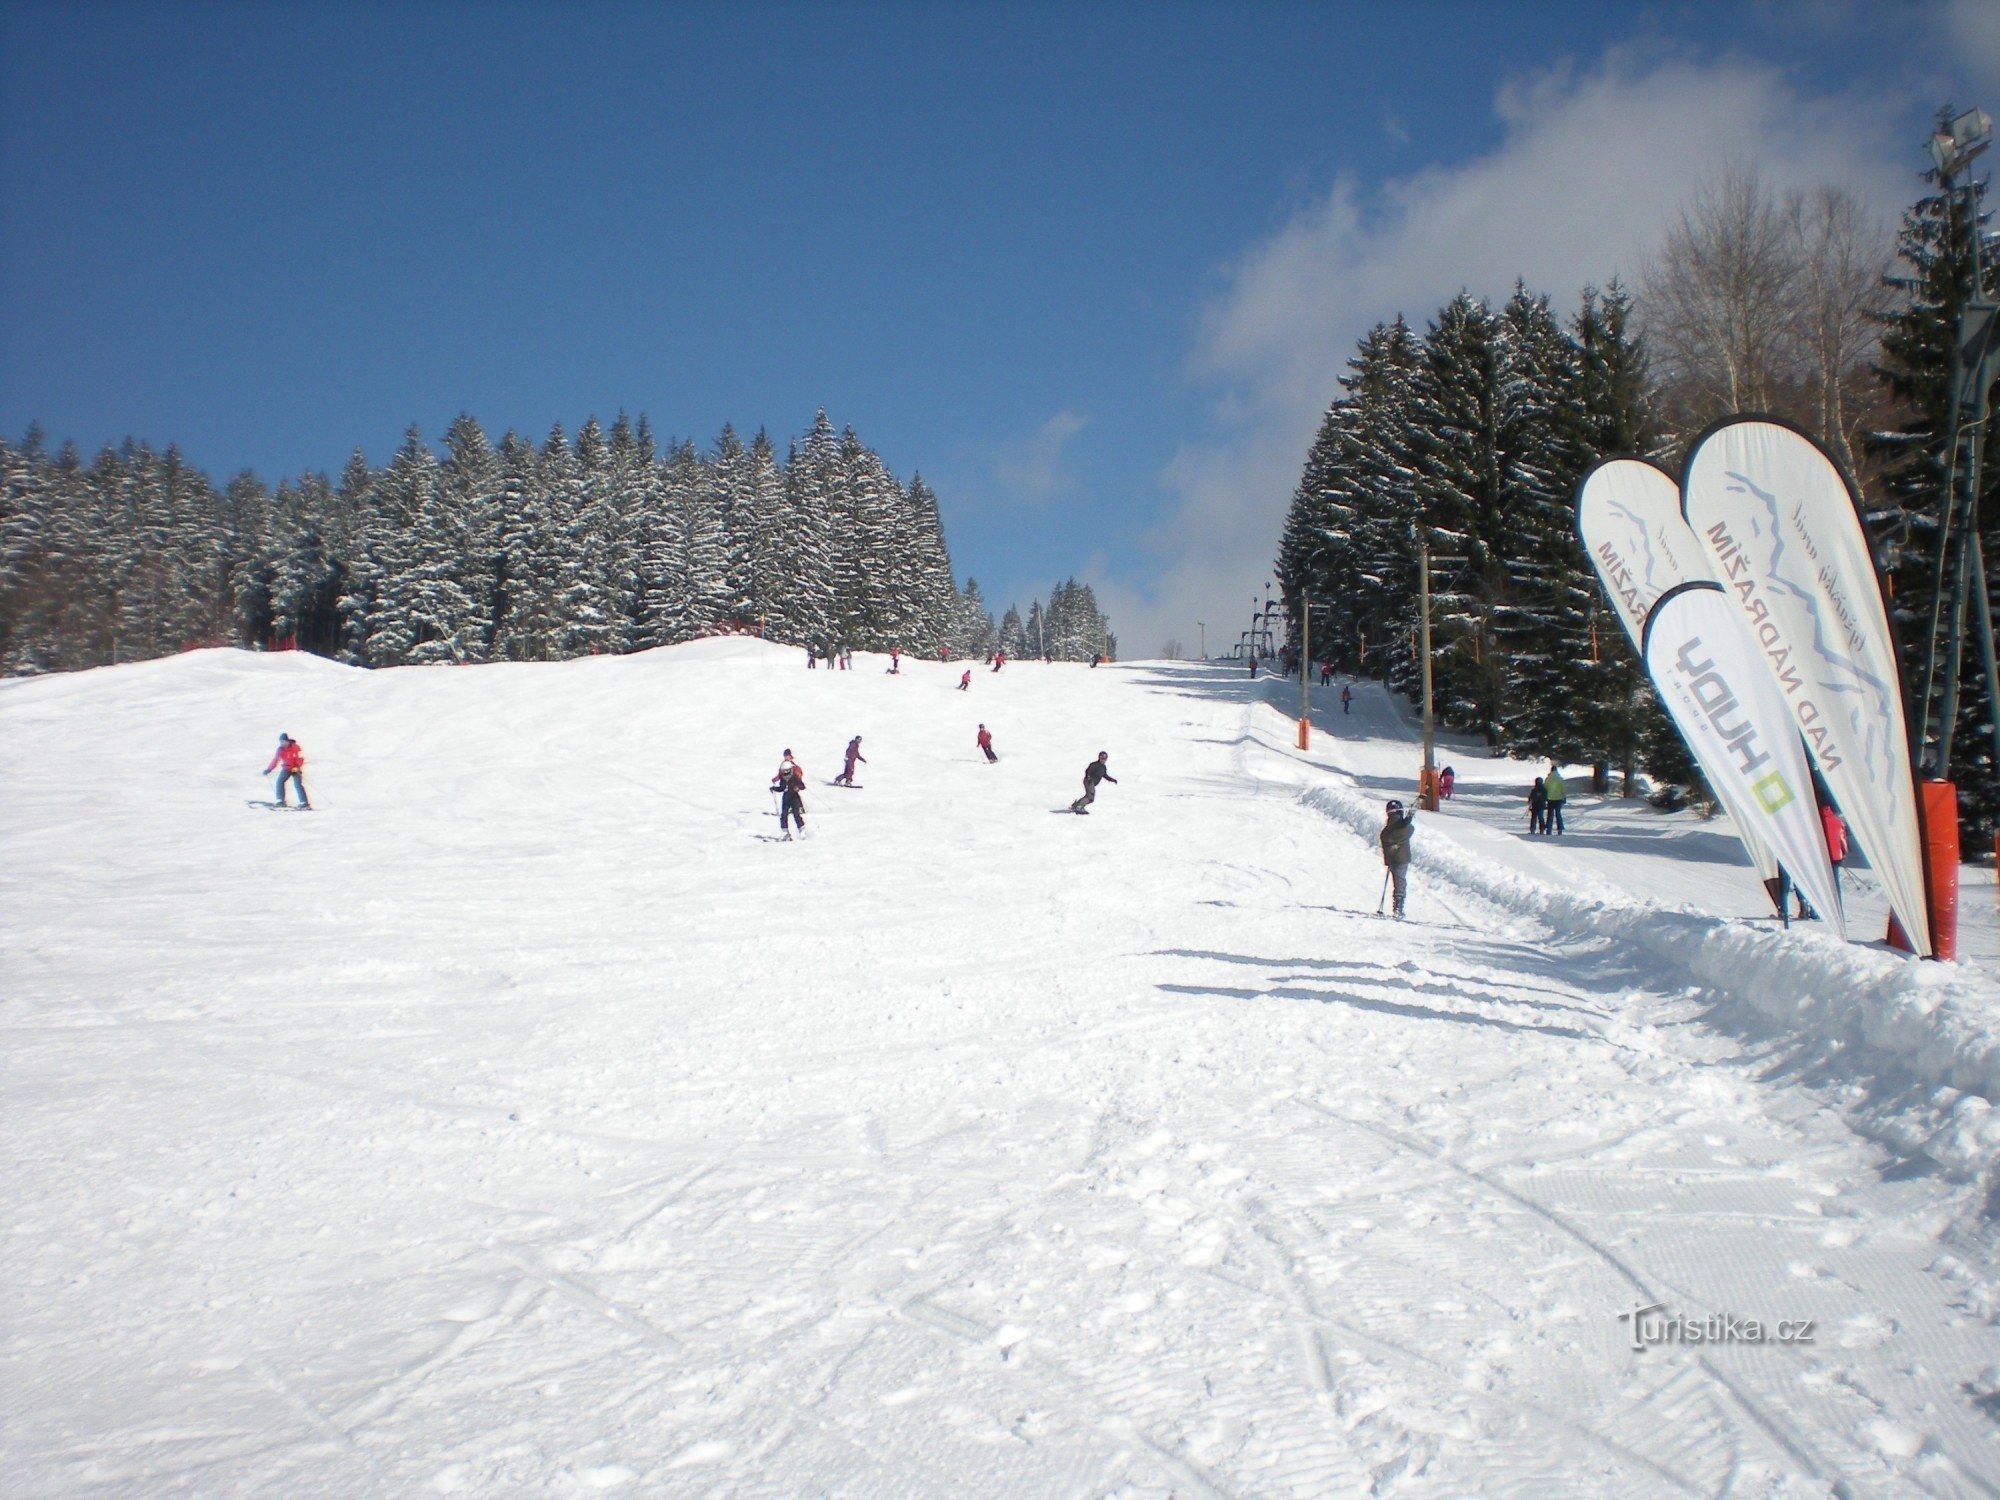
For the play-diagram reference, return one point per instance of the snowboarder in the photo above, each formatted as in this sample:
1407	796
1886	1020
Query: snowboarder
289	761
1538	807
1098	770
986	743
1346	699
1397	826
1558	793
846	776
965	680
790	784
1446	779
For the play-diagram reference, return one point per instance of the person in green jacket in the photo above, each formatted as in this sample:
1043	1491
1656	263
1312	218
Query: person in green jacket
1552	784
1396	829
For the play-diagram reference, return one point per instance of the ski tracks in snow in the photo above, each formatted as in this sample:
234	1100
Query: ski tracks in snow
966	1152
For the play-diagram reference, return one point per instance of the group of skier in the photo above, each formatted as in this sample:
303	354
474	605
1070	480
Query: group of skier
1545	801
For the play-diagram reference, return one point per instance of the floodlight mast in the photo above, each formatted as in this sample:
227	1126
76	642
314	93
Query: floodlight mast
1962	577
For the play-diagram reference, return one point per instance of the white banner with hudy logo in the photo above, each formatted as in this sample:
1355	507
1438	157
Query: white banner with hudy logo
1729	712
1628	516
1779	526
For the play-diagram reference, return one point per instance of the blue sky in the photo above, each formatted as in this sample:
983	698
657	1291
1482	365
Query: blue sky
1092	269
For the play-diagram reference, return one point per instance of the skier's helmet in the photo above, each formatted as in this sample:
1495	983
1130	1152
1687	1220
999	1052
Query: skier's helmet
1394	806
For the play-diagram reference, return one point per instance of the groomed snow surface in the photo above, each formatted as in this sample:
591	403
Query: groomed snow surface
527	1120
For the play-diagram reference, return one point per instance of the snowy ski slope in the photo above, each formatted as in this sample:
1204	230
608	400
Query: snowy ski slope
526	1120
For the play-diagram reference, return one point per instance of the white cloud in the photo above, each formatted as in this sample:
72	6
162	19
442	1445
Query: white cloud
1973	27
1590	167
1033	472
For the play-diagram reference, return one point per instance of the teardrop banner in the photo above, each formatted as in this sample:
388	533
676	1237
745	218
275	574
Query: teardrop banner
1628	517
1711	679
1779	524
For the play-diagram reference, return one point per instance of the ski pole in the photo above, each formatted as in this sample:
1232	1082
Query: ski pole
1385	894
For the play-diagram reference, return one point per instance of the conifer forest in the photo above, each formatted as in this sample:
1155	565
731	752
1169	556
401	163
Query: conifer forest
1469	437
605	543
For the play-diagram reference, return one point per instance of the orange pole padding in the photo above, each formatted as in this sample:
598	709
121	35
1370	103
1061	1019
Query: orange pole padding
1937	806
1427	790
1305	734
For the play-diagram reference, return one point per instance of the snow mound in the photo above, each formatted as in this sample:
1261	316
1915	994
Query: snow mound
1923	1039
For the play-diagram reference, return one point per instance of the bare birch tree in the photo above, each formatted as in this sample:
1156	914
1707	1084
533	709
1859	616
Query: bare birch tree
1718	300
1843	259
1762	302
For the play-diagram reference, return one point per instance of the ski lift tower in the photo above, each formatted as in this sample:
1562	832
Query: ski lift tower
1961	569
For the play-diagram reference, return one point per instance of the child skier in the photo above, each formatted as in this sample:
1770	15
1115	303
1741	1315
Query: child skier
293	761
1397	825
965	680
1098	770
986	743
1346	699
790	783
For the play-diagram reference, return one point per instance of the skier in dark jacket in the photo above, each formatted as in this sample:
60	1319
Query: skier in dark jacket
846	776
290	763
1396	829
1538	807
1098	770
1347	700
790	782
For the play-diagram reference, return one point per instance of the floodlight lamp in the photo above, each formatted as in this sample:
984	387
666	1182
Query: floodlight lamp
1961	140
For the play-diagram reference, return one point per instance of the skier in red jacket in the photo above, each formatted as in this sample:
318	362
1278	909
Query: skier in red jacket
290	762
986	742
1835	829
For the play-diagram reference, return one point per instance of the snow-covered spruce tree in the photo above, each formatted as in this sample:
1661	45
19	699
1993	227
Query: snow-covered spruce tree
1013	636
1614	399
937	608
1347	539
1076	627
975	634
1461	435
361	580
1035	630
1918	351
761	515
696	492
1541	620
736	503
805	543
469	520
310	539
526	624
